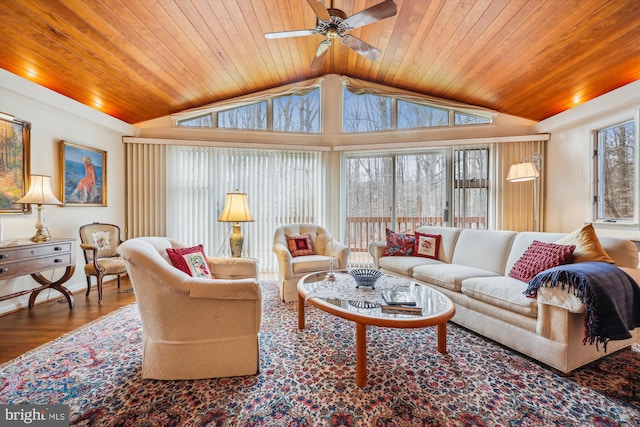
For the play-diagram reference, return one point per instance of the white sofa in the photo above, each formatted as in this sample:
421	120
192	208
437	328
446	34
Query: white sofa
194	327
473	271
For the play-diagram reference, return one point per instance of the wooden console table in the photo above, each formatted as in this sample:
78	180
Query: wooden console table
22	257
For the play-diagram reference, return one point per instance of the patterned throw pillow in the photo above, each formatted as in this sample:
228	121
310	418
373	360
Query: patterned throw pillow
191	261
299	245
399	244
588	246
427	245
541	256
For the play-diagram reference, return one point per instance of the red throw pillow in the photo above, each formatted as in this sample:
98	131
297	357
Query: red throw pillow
427	245
299	245
399	244
541	256
190	260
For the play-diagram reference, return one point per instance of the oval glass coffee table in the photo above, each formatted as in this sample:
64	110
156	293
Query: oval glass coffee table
365	307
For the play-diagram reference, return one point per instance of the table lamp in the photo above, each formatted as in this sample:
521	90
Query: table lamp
40	194
236	210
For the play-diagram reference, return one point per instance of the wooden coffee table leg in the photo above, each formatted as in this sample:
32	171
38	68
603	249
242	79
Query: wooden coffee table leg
361	355
300	312
442	338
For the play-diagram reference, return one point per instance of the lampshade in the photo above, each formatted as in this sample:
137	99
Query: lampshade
40	192
236	208
524	171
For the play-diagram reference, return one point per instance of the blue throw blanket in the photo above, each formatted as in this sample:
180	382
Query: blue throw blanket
611	297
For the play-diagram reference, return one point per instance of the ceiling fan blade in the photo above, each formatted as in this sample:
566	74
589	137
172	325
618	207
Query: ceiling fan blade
383	10
295	33
362	47
321	52
319	9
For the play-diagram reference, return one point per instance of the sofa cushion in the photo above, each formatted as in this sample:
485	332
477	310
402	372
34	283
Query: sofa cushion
427	245
588	246
483	249
522	242
404	265
447	242
504	292
539	257
399	244
449	276
311	263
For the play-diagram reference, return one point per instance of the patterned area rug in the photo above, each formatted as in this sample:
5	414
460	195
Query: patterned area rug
307	378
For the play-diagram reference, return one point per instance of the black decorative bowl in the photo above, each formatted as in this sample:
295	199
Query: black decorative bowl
365	276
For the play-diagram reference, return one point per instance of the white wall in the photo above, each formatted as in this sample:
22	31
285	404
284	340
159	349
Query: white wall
55	118
569	159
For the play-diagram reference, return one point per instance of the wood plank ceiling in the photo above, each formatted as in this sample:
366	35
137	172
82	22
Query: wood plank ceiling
142	59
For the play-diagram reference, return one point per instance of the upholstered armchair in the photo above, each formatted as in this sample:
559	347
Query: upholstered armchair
292	268
194	327
99	243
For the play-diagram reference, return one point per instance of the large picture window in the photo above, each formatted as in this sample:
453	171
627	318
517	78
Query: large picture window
615	170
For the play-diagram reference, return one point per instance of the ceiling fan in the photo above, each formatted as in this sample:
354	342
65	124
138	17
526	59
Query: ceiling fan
333	23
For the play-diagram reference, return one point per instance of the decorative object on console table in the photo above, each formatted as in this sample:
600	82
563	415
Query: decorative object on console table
24	257
528	169
236	210
84	175
40	194
15	136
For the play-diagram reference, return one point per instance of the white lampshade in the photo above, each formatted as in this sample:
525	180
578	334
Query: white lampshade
236	208
40	192
524	171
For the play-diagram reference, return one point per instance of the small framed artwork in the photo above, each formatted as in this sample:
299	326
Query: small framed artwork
15	137
84	175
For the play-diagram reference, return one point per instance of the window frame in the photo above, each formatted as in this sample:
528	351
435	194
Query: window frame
593	130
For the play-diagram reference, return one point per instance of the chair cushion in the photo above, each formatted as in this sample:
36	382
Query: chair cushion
299	245
311	263
191	260
114	265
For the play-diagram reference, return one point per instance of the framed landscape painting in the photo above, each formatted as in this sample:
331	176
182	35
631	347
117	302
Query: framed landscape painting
14	165
84	175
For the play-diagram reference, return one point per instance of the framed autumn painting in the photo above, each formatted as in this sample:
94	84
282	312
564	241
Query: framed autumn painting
84	175
14	165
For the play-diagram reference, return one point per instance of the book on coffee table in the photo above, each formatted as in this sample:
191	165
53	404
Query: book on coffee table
395	297
401	309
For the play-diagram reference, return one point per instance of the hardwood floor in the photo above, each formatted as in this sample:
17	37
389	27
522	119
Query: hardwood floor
26	329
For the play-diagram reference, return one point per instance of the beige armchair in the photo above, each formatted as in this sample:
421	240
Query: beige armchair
291	268
194	327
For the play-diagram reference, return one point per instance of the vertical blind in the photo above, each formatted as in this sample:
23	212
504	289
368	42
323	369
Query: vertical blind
282	187
145	201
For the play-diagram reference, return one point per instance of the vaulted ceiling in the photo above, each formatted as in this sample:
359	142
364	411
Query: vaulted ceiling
142	59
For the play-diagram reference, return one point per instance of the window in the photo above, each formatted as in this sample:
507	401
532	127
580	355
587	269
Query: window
412	115
204	121
252	116
462	119
366	113
297	113
615	159
404	191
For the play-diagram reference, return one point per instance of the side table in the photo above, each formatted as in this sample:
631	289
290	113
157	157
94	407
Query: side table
22	257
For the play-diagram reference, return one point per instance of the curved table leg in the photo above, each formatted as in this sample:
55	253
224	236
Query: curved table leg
57	285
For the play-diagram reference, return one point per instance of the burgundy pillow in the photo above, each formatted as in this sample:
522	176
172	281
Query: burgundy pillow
427	245
190	260
299	245
399	244
541	256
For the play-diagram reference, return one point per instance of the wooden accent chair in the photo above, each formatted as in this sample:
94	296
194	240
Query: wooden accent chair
99	243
